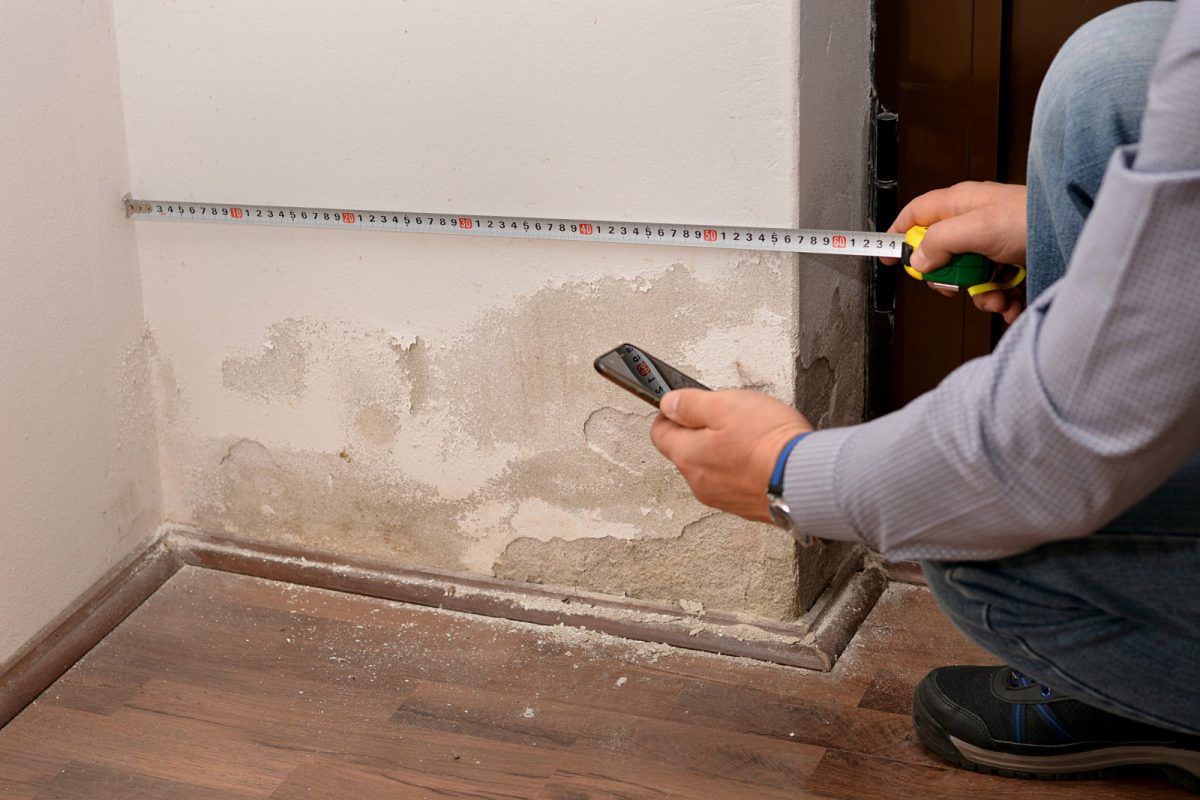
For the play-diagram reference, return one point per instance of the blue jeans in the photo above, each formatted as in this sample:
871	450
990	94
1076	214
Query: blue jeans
1113	618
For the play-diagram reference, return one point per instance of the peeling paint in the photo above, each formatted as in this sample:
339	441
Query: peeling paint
277	372
414	360
499	450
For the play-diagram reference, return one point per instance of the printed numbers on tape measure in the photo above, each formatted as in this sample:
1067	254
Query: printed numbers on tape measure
200	211
877	243
777	239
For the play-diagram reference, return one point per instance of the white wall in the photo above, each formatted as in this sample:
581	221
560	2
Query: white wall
431	400
78	480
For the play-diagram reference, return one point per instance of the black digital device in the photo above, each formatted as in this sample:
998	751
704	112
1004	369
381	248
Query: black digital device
640	373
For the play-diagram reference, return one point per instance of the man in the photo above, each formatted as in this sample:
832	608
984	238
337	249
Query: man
1047	487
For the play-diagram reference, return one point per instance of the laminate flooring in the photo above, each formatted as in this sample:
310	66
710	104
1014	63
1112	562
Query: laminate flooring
223	686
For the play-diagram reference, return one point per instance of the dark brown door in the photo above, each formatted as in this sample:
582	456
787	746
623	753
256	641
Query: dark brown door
963	76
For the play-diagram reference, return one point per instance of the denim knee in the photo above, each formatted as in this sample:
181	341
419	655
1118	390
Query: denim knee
1083	615
1092	98
1090	102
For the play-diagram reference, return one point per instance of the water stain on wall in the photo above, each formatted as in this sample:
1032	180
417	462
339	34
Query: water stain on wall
377	424
325	501
500	450
134	506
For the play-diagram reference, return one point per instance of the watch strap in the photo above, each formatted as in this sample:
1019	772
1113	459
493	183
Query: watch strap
775	487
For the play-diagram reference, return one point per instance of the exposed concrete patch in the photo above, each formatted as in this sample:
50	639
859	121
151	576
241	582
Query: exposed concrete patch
816	385
622	439
829	357
275	374
492	527
500	450
718	561
535	518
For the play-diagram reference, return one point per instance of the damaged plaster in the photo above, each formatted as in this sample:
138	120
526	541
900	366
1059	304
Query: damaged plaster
430	400
277	372
498	450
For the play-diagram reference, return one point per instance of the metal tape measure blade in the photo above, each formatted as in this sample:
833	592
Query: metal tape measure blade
732	237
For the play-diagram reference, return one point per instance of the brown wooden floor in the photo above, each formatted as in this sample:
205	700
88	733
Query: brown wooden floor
222	686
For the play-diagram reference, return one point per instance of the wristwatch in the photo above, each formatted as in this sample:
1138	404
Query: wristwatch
780	512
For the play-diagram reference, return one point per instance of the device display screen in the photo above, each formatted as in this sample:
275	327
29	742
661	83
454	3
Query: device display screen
637	371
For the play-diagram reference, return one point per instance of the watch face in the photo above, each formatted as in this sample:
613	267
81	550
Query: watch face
783	518
781	513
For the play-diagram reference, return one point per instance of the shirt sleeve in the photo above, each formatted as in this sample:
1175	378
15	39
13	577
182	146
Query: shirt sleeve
1090	401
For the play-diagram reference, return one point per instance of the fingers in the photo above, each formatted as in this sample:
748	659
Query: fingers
667	436
927	209
725	444
933	206
1009	303
983	217
975	231
991	302
691	408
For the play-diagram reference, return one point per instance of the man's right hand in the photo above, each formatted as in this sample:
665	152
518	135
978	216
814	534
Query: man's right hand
972	217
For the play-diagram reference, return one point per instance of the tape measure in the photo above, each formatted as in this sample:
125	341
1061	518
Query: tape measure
969	270
730	237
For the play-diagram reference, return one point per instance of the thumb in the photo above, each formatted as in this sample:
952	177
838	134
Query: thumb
691	408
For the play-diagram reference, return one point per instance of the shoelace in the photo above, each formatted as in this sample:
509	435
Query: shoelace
1019	680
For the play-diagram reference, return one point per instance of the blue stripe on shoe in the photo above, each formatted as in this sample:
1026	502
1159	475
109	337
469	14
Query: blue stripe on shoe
1018	722
1053	721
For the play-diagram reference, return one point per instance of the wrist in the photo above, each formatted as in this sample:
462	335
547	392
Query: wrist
775	482
777	506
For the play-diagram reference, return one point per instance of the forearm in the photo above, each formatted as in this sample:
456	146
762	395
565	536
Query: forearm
1171	128
1092	399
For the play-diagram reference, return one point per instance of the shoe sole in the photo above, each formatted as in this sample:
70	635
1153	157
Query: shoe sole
1181	767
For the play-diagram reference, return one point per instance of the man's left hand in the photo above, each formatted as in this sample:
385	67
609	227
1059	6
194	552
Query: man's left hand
725	444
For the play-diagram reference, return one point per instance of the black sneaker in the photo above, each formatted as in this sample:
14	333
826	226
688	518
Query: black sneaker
996	720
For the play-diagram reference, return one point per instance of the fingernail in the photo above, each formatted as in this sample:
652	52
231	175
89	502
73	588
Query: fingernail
668	404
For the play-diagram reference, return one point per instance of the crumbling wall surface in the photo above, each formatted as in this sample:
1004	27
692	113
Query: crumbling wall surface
430	400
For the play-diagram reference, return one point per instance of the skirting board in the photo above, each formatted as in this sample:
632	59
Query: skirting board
815	641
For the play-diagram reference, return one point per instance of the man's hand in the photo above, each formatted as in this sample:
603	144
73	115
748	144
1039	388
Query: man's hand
972	217
725	444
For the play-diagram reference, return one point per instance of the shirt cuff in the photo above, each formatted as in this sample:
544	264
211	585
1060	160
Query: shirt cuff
809	487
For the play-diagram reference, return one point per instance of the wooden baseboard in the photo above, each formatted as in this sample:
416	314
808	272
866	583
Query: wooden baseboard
60	644
814	642
906	572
